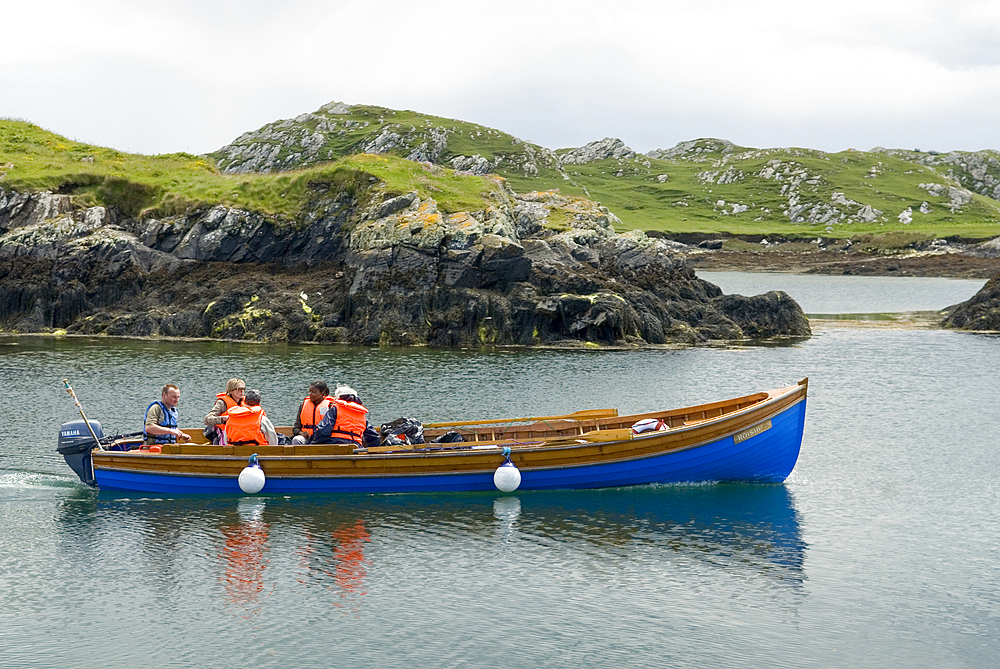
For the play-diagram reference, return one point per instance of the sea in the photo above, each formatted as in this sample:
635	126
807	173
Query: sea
880	550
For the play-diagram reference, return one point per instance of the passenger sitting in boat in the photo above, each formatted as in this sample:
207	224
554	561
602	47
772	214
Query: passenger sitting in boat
248	424
311	412
160	421
235	390
346	421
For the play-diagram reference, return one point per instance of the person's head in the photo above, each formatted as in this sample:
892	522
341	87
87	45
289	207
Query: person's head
318	390
252	398
346	393
236	388
170	395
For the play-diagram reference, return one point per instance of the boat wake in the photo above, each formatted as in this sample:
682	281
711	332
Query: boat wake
18	479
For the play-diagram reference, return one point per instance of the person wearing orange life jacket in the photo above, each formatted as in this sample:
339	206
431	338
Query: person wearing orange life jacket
216	418
346	422
311	412
248	424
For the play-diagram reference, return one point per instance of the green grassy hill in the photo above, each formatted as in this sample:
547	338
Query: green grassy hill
702	186
707	186
33	159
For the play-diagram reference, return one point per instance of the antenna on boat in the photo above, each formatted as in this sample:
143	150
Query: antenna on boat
79	406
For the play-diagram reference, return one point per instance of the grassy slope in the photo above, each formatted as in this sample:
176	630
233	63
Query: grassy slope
685	203
34	159
347	134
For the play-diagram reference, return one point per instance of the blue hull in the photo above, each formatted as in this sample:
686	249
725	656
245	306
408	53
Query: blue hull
767	457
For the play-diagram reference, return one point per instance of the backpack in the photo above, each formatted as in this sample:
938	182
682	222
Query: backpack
401	431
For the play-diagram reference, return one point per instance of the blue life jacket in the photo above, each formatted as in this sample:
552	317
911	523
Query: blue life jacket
169	421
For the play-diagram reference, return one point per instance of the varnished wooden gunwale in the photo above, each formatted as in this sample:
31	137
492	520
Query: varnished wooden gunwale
703	426
547	429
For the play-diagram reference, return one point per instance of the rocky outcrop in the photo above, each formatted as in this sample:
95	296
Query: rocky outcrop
981	312
977	171
607	148
956	196
337	129
695	149
763	316
367	267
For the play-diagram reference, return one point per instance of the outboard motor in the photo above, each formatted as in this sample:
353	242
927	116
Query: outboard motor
75	445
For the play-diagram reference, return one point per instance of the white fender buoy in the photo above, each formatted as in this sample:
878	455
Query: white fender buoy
507	477
252	477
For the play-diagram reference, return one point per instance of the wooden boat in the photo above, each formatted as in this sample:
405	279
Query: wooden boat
755	438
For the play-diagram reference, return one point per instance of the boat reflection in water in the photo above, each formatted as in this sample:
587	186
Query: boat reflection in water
261	547
243	553
737	527
339	565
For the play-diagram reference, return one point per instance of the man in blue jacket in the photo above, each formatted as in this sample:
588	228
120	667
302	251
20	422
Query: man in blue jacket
160	421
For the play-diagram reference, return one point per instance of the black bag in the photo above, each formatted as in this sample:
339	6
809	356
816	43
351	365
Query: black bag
448	438
403	428
211	434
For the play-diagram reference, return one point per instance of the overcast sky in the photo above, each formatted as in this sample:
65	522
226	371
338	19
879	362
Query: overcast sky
158	76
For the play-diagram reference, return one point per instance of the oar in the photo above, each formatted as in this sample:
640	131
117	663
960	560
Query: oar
586	414
69	389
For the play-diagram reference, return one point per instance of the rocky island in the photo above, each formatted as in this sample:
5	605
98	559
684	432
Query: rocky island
365	225
366	269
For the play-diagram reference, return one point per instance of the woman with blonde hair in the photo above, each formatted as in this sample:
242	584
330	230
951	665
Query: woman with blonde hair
235	392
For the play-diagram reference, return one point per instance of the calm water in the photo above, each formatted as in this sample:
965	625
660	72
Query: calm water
852	294
881	550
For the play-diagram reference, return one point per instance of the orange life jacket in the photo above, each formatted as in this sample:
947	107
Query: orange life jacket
351	421
311	414
228	399
243	425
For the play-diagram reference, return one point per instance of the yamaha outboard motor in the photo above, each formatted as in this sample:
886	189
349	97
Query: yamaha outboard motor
75	443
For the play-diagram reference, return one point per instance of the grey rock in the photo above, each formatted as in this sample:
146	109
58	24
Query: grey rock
764	316
385	141
697	149
604	149
336	108
396	204
988	249
979	313
474	164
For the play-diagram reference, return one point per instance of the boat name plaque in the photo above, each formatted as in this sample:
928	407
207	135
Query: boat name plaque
752	432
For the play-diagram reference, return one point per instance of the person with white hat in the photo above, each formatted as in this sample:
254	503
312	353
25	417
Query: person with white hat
345	422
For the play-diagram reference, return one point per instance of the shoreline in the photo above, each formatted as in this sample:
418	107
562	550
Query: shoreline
778	258
951	264
904	320
940	264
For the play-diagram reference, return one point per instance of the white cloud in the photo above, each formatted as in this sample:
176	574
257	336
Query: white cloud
187	75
